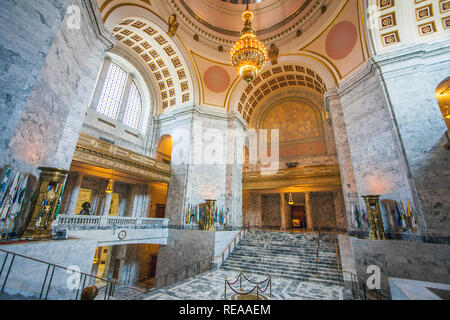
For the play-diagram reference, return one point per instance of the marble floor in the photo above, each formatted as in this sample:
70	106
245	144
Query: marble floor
210	286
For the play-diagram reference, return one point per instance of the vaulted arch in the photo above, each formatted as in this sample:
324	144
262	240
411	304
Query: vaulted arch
144	33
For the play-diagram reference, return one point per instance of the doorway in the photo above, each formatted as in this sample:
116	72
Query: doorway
160	210
298	217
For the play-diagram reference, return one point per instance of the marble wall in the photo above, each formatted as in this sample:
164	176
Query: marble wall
411	76
271	210
402	259
324	214
24	46
252	208
391	134
48	126
200	162
373	153
184	247
69	253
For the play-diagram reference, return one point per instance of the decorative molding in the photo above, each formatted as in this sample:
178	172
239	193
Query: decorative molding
315	176
97	24
99	153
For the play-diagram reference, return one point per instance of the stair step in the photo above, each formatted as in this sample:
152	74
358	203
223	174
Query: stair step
271	265
286	255
305	278
283	261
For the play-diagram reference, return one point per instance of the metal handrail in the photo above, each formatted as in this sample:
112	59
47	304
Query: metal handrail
317	253
380	293
110	284
244	230
177	272
198	263
337	252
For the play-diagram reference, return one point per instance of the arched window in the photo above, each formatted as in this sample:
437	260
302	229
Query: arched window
119	94
133	109
112	91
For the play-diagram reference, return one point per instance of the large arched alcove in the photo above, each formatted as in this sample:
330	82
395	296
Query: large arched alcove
144	33
164	149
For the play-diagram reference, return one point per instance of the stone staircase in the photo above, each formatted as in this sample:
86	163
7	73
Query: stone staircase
286	255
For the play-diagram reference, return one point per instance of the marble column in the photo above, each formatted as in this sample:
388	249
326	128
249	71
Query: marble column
74	194
99	201
420	128
235	149
107	204
309	213
60	86
130	200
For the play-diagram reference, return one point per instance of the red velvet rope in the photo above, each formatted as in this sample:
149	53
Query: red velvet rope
268	283
255	282
268	280
234	281
241	293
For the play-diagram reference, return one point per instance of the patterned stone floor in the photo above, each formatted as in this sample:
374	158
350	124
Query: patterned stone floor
210	286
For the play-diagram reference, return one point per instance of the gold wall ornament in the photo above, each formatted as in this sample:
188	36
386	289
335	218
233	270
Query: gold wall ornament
209	215
248	53
374	216
273	54
44	203
173	25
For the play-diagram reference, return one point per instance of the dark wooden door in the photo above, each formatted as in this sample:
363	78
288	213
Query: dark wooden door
154	260
160	209
298	214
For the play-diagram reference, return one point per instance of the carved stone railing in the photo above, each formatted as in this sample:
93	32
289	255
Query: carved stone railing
102	154
105	222
314	176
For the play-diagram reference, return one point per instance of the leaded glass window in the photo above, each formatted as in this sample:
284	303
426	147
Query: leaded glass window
133	108
112	91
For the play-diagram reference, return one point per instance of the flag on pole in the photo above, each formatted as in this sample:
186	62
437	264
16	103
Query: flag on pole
358	222
406	218
389	214
10	195
364	217
412	214
58	206
186	212
399	216
4	182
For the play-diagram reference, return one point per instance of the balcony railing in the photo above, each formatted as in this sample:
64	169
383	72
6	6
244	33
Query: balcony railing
108	221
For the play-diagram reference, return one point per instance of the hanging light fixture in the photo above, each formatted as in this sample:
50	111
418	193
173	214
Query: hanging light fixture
291	200
248	53
109	188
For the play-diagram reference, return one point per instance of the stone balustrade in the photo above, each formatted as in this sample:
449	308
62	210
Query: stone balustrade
106	222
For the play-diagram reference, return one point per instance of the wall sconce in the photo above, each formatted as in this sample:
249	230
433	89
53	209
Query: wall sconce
291	200
109	188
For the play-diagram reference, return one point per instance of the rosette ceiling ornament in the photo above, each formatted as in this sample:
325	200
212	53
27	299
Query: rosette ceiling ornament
248	53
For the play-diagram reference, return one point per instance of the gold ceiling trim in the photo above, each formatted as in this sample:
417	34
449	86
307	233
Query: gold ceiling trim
336	82
327	27
316	176
92	151
166	23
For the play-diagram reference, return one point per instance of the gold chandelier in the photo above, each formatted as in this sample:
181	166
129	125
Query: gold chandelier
248	53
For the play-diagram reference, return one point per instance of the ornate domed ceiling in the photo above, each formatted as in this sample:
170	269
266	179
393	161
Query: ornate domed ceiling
221	20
